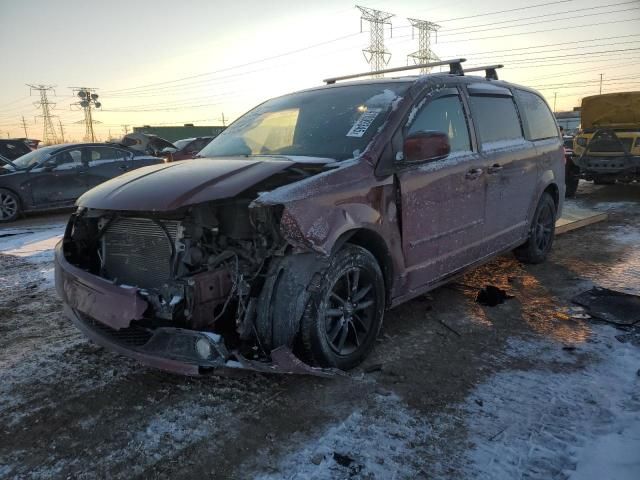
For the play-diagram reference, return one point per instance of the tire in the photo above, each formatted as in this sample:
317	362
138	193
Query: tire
343	317
571	180
541	232
9	206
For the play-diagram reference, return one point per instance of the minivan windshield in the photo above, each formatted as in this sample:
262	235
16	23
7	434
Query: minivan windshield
336	122
33	158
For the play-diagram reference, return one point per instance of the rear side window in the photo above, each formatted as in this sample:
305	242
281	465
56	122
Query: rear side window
496	118
444	115
539	122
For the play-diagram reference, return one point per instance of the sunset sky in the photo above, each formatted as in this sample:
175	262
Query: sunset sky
168	62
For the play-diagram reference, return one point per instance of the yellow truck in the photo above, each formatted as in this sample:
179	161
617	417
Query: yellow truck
607	148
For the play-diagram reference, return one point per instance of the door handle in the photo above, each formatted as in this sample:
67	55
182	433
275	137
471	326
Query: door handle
123	167
495	168
473	173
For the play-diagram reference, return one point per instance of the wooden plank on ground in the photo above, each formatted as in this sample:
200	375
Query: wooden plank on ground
574	217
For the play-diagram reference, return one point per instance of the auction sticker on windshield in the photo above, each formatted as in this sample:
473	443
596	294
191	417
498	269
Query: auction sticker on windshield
363	123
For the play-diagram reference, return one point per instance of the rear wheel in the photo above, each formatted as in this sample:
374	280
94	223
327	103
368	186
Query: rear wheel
541	232
342	320
9	206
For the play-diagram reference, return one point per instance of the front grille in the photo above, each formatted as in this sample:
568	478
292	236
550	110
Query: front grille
138	251
133	336
608	144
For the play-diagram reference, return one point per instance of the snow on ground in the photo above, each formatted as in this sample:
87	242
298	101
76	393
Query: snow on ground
547	420
567	412
34	243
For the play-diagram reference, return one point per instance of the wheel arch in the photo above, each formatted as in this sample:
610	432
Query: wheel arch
374	243
21	203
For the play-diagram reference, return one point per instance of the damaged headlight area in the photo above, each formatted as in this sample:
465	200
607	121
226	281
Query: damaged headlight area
200	271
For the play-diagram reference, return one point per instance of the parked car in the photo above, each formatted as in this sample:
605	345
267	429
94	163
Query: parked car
54	177
12	149
146	143
309	217
571	171
186	148
607	149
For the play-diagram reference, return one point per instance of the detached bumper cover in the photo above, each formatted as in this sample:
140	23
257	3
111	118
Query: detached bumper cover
106	313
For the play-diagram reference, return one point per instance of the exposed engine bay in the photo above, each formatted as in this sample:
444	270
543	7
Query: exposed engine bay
198	268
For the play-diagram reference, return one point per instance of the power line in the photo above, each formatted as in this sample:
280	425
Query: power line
573	17
492	24
505	11
542	31
88	101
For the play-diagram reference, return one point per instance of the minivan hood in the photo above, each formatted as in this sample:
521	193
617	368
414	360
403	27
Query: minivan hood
169	186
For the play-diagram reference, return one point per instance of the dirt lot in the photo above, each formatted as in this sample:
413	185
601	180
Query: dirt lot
452	390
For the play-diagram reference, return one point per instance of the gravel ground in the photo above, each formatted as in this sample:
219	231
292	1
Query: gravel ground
452	390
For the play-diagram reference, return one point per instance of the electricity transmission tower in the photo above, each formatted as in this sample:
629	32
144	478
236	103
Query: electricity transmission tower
61	131
88	101
24	125
376	55
424	54
48	132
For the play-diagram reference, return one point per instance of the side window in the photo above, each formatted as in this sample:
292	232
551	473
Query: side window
100	155
199	144
496	118
444	115
68	159
540	122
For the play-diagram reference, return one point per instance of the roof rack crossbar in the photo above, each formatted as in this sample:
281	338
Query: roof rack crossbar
455	68
489	71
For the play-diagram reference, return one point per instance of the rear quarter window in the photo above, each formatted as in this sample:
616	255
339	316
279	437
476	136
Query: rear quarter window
496	118
539	121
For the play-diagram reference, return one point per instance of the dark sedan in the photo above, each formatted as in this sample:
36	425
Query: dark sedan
54	177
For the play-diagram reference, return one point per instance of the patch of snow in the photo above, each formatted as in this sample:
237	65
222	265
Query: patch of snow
382	442
35	243
544	422
384	99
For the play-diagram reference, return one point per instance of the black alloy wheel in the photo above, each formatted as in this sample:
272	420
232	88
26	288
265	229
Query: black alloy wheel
350	312
541	232
9	206
343	318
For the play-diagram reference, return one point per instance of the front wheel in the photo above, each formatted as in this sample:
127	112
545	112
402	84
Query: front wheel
343	318
541	232
9	206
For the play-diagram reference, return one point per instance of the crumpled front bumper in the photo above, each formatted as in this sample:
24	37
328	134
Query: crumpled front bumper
106	313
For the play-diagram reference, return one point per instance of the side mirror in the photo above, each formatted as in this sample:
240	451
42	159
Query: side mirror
426	145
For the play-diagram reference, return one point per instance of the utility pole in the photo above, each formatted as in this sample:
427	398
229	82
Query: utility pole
376	55
555	95
222	119
48	132
24	125
601	84
88	100
424	54
61	130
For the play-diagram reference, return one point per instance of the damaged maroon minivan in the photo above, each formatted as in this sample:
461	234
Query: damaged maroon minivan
282	247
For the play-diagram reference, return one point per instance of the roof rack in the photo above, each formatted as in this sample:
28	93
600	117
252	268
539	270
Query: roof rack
489	71
455	68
